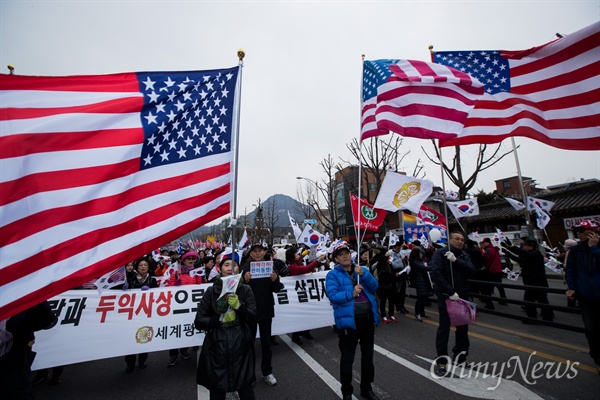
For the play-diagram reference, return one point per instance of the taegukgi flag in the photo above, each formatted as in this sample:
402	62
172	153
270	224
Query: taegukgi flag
402	192
464	208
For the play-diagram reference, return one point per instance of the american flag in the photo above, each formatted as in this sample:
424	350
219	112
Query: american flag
549	93
416	99
98	170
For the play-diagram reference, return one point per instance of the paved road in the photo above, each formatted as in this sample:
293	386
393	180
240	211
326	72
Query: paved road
402	362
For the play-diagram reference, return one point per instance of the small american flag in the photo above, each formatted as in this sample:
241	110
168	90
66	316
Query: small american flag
550	93
97	170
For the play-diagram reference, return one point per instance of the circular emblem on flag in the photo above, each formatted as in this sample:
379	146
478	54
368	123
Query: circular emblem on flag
368	212
144	334
463	208
314	239
404	194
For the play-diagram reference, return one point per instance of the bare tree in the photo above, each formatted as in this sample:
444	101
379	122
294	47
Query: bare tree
324	189
376	155
303	194
454	171
271	217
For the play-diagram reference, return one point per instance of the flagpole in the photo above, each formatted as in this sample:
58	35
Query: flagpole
236	140
527	214
357	232
444	200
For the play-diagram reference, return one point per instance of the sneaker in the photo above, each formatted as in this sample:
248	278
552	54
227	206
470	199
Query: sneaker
393	319
385	320
419	318
172	360
185	354
425	316
403	311
370	395
440	370
270	380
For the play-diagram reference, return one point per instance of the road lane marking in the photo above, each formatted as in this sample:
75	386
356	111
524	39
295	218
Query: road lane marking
561	360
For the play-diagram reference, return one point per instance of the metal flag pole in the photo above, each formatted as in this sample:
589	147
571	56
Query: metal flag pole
525	202
357	232
236	141
444	200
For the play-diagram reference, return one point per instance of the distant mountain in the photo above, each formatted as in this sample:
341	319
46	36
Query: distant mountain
283	204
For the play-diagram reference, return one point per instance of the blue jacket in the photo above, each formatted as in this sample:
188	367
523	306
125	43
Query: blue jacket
340	290
583	271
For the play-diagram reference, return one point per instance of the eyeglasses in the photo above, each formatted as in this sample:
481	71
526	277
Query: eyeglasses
458	239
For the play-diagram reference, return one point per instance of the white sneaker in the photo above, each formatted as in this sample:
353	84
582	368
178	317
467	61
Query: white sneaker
270	380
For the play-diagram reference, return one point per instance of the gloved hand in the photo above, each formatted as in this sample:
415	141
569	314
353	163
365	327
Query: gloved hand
178	282
450	256
229	316
454	297
126	286
233	301
505	243
145	287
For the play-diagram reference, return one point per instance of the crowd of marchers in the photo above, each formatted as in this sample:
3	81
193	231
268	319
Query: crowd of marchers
366	286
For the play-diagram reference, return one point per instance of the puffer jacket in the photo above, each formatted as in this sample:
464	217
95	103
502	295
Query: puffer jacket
583	271
461	269
340	291
227	359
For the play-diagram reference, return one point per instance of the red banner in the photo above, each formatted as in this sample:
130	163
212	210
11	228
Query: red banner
371	218
429	215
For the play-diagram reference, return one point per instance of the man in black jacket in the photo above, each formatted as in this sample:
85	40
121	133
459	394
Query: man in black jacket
450	268
533	273
263	289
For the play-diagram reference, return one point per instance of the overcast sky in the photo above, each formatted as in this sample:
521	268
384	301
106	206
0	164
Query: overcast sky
302	71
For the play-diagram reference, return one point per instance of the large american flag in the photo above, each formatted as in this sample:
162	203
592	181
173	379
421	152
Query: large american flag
98	170
416	99
549	93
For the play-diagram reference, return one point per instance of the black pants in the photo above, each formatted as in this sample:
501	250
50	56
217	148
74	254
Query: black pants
349	338
130	359
539	297
389	297
590	312
497	278
461	338
264	326
420	305
246	393
400	295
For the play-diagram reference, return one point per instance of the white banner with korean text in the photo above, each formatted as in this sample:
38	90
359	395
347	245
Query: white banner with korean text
92	326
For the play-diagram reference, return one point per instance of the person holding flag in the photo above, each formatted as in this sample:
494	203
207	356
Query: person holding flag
226	362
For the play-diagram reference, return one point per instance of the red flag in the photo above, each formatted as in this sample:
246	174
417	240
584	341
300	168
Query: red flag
550	93
98	170
431	216
370	218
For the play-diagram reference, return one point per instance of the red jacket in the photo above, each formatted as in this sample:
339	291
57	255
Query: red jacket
300	269
491	259
186	279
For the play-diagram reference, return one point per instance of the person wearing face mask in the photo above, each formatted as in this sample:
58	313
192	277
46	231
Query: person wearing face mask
583	279
226	362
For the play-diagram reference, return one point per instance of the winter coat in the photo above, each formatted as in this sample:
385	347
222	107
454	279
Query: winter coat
583	271
135	284
227	360
263	289
184	279
442	276
422	283
491	260
533	270
340	291
301	269
386	278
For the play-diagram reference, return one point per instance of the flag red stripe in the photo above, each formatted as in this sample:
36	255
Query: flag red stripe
425	110
587	72
567	123
126	82
18	189
27	144
574	100
98	269
69	248
117	106
421	133
560	56
40	221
